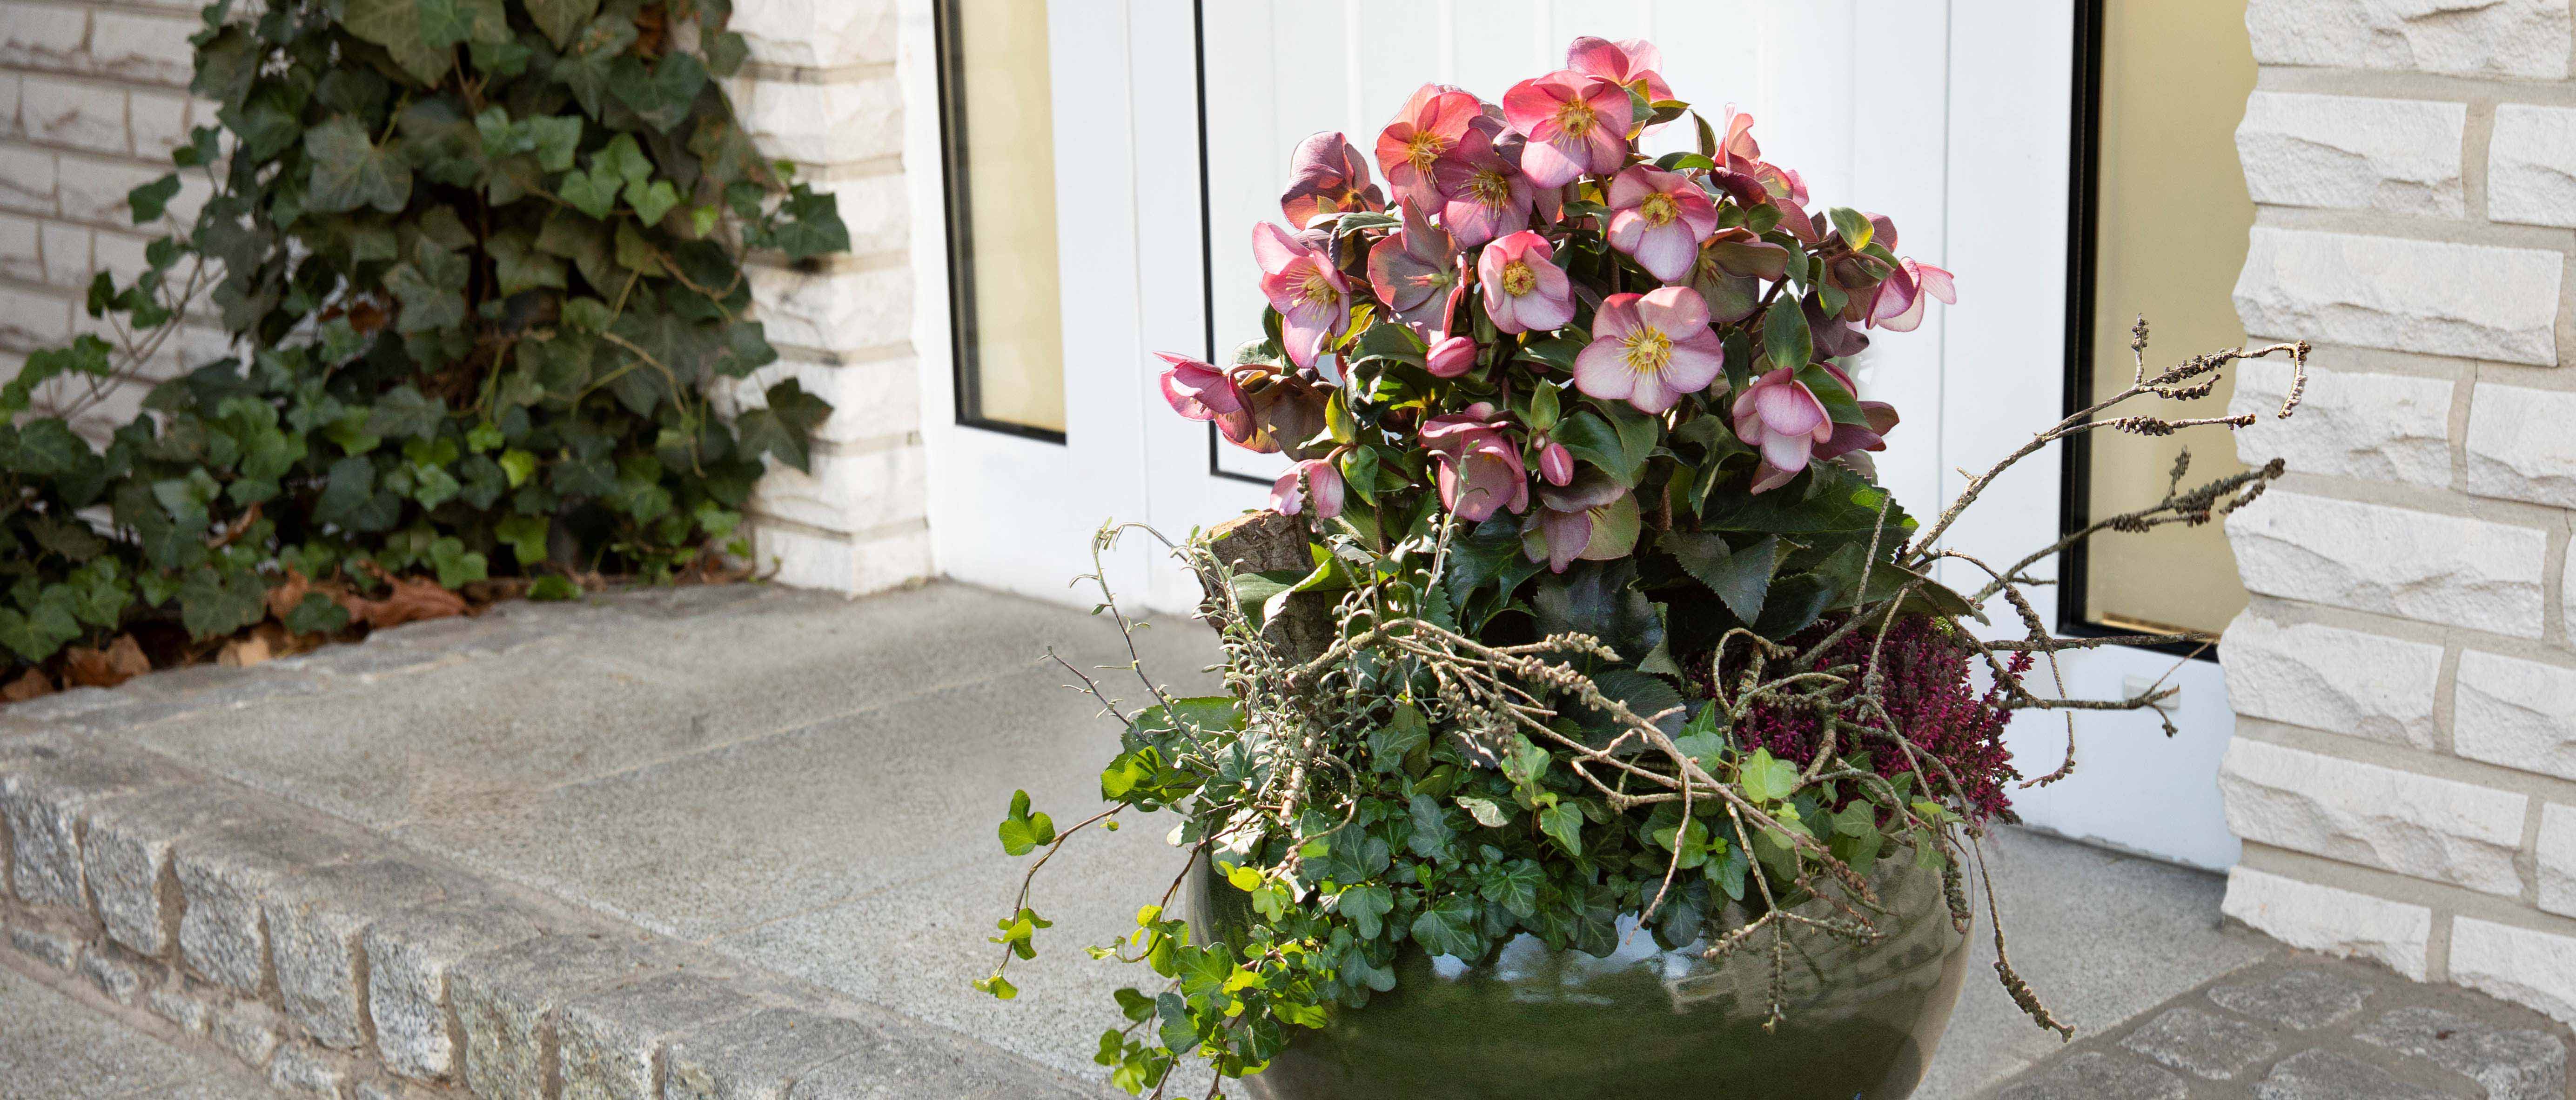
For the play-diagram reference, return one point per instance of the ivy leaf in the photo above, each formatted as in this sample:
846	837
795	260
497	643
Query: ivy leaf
1486	811
431	289
586	64
784	426
395	25
651	202
726	52
446	23
349	171
1512	885
809	224
317	614
560	19
554	138
1366	906
215	602
624	160
1563	821
455	564
662	95
1023	831
148	201
1766	779
1448	928
593	192
1431	836
520	266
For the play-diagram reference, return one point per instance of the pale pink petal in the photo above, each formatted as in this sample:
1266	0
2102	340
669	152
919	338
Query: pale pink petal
1695	363
1549	165
1770	477
1601	370
1274	248
1677	310
1651	394
1667	251
1788	452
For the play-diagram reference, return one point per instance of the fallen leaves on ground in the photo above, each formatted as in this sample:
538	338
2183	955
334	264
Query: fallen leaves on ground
122	660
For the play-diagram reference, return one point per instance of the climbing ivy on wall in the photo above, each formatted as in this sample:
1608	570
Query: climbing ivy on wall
480	262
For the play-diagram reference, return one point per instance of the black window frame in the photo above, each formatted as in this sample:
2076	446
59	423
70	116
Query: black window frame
2082	256
956	206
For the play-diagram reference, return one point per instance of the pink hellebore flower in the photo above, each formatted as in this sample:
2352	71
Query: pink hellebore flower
1592	517
1482	193
1782	418
1628	63
1430	127
1201	391
1479	467
1660	218
1575	123
1451	357
1871	436
1327	176
1524	289
1555	463
1312	297
1324	482
1898	305
1415	272
1650	349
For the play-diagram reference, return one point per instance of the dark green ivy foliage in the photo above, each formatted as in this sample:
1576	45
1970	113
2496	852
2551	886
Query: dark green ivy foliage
480	259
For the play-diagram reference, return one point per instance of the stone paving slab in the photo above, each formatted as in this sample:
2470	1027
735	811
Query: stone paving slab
53	1047
2298	1026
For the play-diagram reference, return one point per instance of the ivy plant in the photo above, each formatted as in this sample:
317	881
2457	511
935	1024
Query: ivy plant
480	262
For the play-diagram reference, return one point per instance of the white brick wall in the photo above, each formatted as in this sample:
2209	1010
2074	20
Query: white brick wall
93	98
2404	773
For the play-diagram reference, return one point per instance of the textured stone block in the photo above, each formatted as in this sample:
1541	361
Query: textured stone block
877	209
833	310
2375	427
314	924
2521	714
78	113
821	559
114	977
2518	964
2556	859
505	1002
44	784
818	33
2393	561
27	180
2512	1063
30	320
2514	38
2326	1075
2204	1044
143	47
836	123
67	254
849	492
2094	1075
869	399
93	190
296	1070
55	949
126	854
2399	821
2399	155
610	1043
43	36
2330	678
21	257
2332	921
409	955
224	872
2475	301
2302	1000
2517	448
2531	165
192	1014
248	1029
757	1057
158	122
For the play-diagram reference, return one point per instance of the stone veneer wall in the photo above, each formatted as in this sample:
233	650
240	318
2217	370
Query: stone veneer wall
2404	769
93	96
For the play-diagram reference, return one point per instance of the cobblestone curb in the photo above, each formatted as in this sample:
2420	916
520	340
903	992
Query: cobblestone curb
2306	1027
340	963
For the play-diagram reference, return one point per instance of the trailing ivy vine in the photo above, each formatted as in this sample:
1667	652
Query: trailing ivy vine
480	261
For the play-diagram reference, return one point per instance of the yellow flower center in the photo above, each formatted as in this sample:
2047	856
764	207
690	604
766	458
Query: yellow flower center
1318	291
1423	148
1518	279
1659	209
1649	350
1574	118
1490	188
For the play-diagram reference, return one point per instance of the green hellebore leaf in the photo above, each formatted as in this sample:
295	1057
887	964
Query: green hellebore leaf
1785	339
350	171
1740	578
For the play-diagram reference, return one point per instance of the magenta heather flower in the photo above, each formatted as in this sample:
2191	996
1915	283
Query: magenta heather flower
1575	124
1779	416
1629	63
1483	195
1451	357
1660	218
1429	128
1287	498
1898	305
1327	176
1478	467
1415	272
1524	289
1311	295
1650	349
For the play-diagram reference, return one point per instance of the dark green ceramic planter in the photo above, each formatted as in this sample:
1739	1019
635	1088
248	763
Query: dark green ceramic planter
1647	1023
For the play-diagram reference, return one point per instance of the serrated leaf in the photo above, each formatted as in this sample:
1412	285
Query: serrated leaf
1740	578
350	171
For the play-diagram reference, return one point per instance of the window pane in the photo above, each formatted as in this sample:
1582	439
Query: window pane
2171	221
1001	212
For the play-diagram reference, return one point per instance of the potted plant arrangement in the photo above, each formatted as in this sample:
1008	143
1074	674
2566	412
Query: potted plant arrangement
1594	725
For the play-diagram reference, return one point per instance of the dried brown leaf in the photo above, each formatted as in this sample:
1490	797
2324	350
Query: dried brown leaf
29	686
